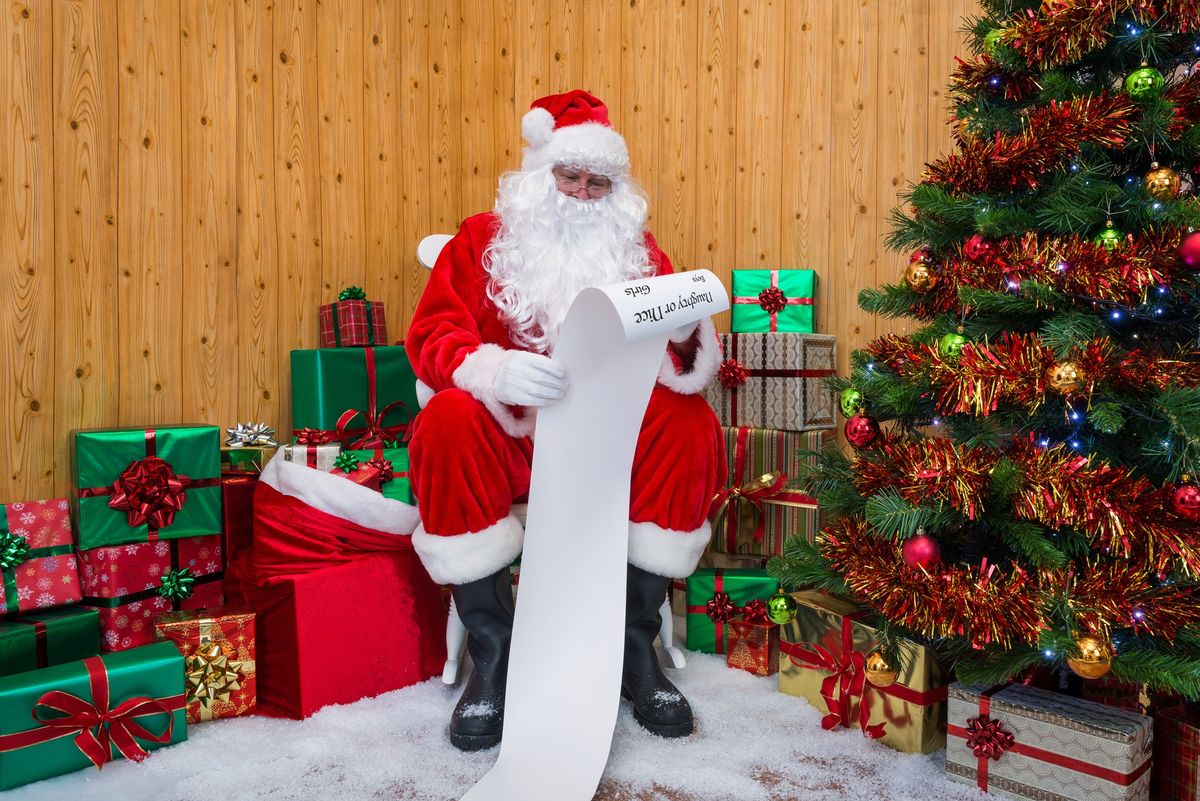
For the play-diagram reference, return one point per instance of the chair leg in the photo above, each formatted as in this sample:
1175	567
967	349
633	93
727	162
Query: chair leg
456	640
666	636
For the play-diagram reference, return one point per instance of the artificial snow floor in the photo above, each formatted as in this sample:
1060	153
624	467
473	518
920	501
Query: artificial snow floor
752	744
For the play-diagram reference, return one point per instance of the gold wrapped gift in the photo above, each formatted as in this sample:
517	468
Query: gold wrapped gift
829	656
218	646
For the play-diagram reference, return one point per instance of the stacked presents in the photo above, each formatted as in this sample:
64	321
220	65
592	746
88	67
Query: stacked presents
183	581
776	412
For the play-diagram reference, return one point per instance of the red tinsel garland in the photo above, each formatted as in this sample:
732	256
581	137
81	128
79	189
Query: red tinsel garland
980	73
1065	30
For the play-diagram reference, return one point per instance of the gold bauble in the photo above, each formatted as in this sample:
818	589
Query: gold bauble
919	276
879	672
1162	183
1094	660
1066	377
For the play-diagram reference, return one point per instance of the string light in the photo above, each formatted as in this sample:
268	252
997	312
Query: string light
1116	314
1076	444
1075	416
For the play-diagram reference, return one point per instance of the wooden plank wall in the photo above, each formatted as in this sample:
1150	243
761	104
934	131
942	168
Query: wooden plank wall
183	182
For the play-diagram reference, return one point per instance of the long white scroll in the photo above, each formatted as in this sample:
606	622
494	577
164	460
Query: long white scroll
564	672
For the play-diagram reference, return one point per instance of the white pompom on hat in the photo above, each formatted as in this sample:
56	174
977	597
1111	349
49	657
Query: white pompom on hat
573	129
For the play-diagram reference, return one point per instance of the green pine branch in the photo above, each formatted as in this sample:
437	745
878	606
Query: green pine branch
890	515
802	566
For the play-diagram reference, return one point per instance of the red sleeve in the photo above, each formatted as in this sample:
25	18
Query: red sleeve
662	264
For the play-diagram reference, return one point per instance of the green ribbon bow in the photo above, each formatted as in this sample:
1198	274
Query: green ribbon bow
352	293
177	584
13	550
346	462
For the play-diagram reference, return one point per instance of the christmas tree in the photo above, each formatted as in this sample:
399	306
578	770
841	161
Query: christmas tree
1020	490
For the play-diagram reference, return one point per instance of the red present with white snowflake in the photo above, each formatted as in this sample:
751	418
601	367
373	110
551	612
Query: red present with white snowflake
38	569
129	584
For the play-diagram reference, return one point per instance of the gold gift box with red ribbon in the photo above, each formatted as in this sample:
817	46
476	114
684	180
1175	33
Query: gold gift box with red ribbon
823	656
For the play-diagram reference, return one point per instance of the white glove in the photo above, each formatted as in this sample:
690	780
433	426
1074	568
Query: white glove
684	332
530	379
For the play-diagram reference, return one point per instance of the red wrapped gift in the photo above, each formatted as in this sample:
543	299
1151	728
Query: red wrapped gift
128	584
237	505
218	650
345	611
753	644
38	569
362	473
353	322
1177	753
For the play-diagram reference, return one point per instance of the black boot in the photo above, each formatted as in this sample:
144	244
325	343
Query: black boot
486	610
657	705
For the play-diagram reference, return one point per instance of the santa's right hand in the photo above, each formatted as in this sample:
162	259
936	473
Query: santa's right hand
530	379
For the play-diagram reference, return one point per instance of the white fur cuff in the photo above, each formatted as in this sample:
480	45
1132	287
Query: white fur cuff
340	497
666	552
463	558
477	376
708	360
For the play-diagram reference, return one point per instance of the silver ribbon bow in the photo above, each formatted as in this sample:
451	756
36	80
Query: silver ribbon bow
249	435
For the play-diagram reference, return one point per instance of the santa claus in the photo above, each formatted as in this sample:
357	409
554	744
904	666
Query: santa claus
482	339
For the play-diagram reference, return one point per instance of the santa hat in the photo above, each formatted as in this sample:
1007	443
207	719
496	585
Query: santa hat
573	129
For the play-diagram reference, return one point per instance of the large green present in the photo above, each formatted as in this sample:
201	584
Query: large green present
43	638
774	300
145	484
393	468
63	718
364	397
714	596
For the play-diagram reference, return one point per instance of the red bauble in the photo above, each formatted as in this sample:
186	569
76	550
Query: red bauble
921	551
1185	500
920	254
1189	250
861	430
979	249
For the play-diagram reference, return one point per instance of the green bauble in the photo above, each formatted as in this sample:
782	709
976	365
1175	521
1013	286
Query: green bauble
993	41
1110	238
951	345
781	608
851	401
1143	83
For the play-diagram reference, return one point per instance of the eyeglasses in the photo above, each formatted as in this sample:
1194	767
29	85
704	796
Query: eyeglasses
596	185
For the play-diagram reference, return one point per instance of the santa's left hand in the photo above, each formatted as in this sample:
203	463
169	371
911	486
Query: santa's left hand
684	332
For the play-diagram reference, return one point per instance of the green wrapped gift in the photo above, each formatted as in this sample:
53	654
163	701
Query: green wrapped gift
142	484
54	637
332	384
393	464
714	595
774	300
145	685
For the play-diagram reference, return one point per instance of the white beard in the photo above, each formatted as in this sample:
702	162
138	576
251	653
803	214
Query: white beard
551	246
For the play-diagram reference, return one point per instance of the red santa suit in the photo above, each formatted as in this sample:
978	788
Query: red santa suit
471	453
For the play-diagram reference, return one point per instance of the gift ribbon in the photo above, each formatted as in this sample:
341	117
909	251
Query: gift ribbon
755	491
1041	754
139	478
702	609
375	434
754	372
848	680
42	648
9	574
156	591
337	328
95	727
769	301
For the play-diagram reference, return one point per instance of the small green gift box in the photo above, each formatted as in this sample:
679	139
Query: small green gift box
393	468
716	595
43	638
363	397
774	300
63	718
143	484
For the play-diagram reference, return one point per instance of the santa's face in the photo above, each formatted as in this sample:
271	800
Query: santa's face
554	242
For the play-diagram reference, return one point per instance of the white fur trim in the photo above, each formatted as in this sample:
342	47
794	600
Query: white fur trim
340	497
477	376
537	127
664	551
589	145
708	360
462	558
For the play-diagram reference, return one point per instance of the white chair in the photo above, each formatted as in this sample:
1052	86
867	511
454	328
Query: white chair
456	634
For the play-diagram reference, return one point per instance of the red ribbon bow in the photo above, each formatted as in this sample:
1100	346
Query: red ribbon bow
386	470
732	373
756	490
720	608
96	726
847	681
149	491
987	739
755	611
313	436
772	300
